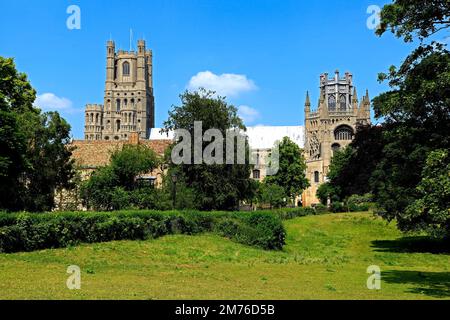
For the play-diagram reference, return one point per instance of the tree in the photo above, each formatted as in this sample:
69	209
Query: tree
431	210
49	158
16	96
409	18
292	167
327	191
271	194
416	112
417	115
34	154
115	187
216	185
132	161
351	168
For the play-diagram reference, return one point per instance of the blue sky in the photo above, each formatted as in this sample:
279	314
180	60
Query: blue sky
264	54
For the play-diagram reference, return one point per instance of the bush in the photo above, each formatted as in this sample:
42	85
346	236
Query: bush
29	232
292	213
320	208
356	203
272	195
337	207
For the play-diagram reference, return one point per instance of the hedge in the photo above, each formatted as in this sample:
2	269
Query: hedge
30	232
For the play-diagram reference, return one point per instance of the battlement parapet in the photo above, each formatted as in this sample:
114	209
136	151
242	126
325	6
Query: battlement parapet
94	107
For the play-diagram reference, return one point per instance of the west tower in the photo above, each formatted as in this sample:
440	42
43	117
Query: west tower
129	105
331	126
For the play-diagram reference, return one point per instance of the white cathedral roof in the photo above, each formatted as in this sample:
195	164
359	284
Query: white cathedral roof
155	134
264	137
260	137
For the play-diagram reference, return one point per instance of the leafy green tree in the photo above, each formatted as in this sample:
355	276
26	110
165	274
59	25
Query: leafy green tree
16	97
327	191
271	194
420	18
132	161
431	210
114	187
292	167
216	186
34	154
416	112
49	158
351	168
417	121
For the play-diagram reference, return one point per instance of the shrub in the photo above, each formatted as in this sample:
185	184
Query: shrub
292	213
321	209
337	207
357	203
29	232
271	194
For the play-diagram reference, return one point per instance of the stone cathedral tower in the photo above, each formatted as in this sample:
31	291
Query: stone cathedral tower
129	105
330	127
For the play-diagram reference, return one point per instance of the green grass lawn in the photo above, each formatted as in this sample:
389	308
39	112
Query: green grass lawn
326	257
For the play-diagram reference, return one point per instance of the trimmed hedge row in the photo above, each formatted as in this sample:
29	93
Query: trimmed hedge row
30	232
292	213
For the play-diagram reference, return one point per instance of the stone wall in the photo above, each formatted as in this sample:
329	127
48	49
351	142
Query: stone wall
90	155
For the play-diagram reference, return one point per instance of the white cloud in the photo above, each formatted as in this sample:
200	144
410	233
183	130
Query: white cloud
227	84
51	102
248	114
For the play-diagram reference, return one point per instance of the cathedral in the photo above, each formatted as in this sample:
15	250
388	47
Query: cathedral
129	105
128	116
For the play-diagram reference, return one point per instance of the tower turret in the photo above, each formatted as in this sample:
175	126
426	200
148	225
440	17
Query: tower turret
307	103
355	101
141	65
110	61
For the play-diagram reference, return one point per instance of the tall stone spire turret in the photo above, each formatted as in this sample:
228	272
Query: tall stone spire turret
355	101
307	103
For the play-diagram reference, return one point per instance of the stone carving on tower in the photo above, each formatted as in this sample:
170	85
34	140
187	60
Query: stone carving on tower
331	127
129	105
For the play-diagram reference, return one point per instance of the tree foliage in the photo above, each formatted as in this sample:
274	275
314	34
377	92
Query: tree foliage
115	186
271	194
292	167
216	186
351	168
417	121
431	210
35	159
420	18
417	118
402	162
50	166
327	191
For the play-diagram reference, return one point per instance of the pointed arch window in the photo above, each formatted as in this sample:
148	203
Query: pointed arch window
332	103
126	68
342	103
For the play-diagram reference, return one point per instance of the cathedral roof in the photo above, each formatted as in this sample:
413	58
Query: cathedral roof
260	137
264	137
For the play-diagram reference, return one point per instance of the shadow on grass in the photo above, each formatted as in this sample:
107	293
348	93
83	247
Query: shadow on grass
433	284
412	245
